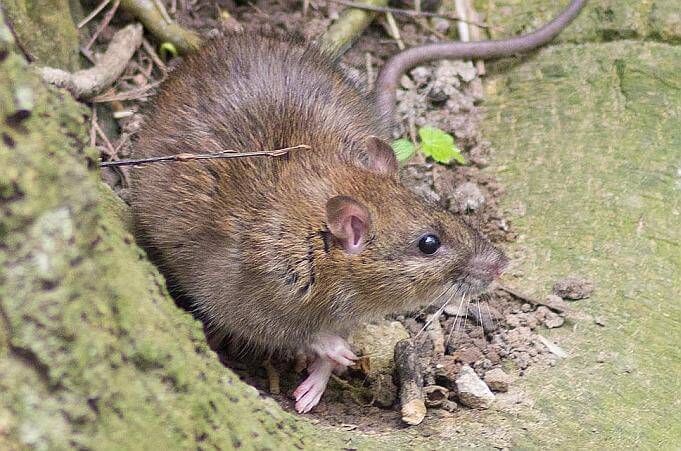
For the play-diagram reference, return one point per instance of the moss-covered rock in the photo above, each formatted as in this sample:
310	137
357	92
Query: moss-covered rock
589	142
46	30
601	20
94	354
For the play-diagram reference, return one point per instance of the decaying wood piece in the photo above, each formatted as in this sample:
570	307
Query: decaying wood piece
89	82
410	378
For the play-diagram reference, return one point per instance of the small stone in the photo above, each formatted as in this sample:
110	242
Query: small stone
468	356
498	380
553	320
472	391
512	320
435	395
449	405
421	74
467	197
599	320
523	360
574	288
526	307
557	304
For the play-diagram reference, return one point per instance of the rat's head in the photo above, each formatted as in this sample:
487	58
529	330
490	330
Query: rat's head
396	250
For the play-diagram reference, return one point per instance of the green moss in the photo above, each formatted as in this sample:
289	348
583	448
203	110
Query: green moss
94	352
601	20
46	30
592	151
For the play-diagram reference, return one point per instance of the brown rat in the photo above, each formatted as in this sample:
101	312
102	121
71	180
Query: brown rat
288	254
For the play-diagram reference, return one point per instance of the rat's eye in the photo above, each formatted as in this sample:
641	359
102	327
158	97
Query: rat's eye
428	244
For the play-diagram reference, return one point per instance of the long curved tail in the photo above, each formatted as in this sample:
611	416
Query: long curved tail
389	77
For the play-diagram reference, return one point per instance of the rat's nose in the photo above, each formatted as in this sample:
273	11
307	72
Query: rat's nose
487	266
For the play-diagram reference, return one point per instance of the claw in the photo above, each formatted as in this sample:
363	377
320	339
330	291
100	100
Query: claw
308	394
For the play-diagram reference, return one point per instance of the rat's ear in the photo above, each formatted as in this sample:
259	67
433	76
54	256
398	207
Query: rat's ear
349	222
381	157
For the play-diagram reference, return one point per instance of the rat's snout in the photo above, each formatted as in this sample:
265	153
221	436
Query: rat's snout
487	266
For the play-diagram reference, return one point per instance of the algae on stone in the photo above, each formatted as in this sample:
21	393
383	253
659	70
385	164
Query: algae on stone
46	30
588	137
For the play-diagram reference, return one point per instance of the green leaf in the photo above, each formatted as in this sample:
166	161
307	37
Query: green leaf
404	149
439	145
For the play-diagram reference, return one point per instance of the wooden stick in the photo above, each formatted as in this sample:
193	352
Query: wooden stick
409	373
92	15
88	82
202	156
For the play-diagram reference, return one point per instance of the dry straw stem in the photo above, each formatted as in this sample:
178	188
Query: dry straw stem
224	154
86	83
406	12
149	13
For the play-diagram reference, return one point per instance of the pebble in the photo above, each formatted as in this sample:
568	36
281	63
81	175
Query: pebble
573	288
498	380
557	303
472	391
468	197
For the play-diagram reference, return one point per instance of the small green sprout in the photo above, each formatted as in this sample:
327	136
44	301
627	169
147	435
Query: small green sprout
404	149
435	143
167	51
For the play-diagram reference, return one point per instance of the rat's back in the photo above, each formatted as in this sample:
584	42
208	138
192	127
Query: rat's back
249	92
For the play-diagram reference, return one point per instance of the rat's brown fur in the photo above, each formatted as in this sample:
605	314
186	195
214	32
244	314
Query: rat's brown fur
247	239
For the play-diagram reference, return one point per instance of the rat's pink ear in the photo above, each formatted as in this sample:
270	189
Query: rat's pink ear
381	157
349	222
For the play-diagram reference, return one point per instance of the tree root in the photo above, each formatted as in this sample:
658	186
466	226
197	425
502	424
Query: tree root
165	31
89	82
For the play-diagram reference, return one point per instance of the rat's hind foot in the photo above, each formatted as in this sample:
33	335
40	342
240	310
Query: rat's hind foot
334	348
309	393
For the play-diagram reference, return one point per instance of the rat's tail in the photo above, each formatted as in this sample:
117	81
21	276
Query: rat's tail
389	77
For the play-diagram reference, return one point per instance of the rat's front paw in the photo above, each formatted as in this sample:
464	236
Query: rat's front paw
308	394
334	348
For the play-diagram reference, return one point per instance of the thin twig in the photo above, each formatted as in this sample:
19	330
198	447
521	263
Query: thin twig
531	300
370	72
162	10
132	94
203	156
407	12
94	12
272	377
107	143
154	56
93	131
103	24
394	31
462	25
156	22
475	34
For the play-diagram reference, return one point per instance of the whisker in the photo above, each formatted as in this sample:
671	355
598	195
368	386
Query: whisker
435	316
456	319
